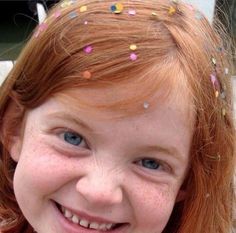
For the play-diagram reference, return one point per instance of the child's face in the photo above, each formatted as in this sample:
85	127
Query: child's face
102	169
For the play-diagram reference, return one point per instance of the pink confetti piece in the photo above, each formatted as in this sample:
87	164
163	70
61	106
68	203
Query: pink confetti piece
57	14
86	22
133	56
88	49
213	79
132	12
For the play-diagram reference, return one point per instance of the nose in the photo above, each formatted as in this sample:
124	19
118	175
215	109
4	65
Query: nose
100	189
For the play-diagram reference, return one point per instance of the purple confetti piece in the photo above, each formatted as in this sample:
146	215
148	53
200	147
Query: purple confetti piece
88	49
133	56
132	12
213	79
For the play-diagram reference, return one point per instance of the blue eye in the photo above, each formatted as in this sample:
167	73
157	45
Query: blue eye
150	164
72	138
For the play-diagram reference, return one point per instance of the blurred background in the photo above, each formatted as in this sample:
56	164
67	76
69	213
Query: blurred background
19	18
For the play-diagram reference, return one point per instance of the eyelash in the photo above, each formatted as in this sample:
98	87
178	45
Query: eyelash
155	164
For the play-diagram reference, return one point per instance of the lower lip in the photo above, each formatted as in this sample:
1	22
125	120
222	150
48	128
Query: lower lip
69	227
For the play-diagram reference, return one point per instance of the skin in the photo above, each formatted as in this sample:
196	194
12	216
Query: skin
106	175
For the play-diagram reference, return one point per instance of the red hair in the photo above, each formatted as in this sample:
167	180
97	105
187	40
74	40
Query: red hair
176	49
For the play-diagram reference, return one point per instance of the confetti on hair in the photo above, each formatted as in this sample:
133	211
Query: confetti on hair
198	15
88	49
133	56
83	9
117	8
133	47
67	3
171	10
73	15
57	14
86	22
87	74
146	105
132	12
213	61
226	71
223	111
207	195
42	27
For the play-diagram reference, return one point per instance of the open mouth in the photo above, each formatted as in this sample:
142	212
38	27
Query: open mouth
98	226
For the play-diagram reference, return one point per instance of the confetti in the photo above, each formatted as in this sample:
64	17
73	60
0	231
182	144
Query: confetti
41	28
85	22
213	60
226	71
198	15
83	9
172	10
154	14
216	94
222	95
57	14
133	47
146	105
213	79
223	113
73	15
87	74
133	56
117	8
207	195
66	4
88	49
132	12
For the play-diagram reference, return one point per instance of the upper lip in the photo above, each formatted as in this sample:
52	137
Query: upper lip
89	217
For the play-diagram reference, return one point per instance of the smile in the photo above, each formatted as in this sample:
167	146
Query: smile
90	224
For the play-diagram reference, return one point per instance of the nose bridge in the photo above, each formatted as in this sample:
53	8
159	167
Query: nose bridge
101	186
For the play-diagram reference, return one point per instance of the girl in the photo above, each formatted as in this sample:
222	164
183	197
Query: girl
117	118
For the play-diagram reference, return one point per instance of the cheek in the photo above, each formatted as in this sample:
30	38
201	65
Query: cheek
156	202
40	170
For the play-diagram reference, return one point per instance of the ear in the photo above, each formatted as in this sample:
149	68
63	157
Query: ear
11	129
181	195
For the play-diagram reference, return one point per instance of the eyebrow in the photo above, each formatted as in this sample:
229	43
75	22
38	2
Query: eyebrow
69	117
169	150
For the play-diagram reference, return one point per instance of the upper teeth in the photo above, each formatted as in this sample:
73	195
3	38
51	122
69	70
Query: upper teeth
85	223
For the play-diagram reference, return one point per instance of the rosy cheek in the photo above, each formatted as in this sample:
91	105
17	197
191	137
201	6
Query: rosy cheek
42	169
156	202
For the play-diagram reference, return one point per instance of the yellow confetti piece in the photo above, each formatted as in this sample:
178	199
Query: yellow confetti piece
83	9
172	10
133	47
154	14
223	111
119	8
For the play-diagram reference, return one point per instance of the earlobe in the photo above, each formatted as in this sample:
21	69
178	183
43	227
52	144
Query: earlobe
15	148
